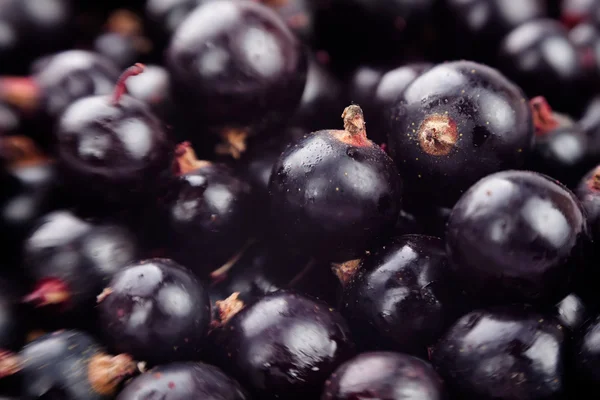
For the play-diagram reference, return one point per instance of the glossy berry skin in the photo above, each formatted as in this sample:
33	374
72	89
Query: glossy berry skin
71	75
250	77
586	354
495	354
403	296
153	87
563	154
588	193
183	380
60	365
12	323
284	345
586	37
517	236
207	235
572	312
321	101
156	311
554	69
454	124
489	21
80	254
385	376
333	197
31	28
590	123
116	153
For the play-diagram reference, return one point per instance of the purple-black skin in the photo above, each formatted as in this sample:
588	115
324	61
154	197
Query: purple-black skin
95	252
586	39
588	193
207	235
590	123
572	312
385	376
496	354
155	310
334	199
32	28
284	346
489	21
403	296
321	101
518	236
586	354
71	75
115	153
183	380
476	101
553	74
153	87
563	154
252	75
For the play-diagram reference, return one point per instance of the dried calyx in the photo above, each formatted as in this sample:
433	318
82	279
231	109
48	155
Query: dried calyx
438	134
20	92
355	132
594	181
17	151
233	143
346	270
186	160
106	372
545	120
227	309
49	291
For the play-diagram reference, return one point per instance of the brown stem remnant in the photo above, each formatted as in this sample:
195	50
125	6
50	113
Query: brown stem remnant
49	291
228	308
105	293
346	270
18	151
21	92
437	134
221	272
544	120
106	372
186	160
233	144
594	181
10	363
355	132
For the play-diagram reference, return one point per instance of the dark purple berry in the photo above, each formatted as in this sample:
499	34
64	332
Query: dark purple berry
70	260
573	12
321	101
454	124
488	21
70	365
237	70
517	236
153	87
112	148
209	213
586	354
335	192
284	345
155	310
504	354
403	296
572	312
183	381
384	375
539	57
590	123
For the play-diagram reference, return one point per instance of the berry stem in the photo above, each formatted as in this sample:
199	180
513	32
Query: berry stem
121	87
49	291
354	121
227	309
544	120
10	363
186	160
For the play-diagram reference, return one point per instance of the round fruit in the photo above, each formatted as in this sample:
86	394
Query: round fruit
153	87
384	375
403	296
209	213
156	311
183	381
70	365
517	236
587	354
572	312
112	148
454	124
498	354
71	260
334	192
237	70
539	57
284	345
